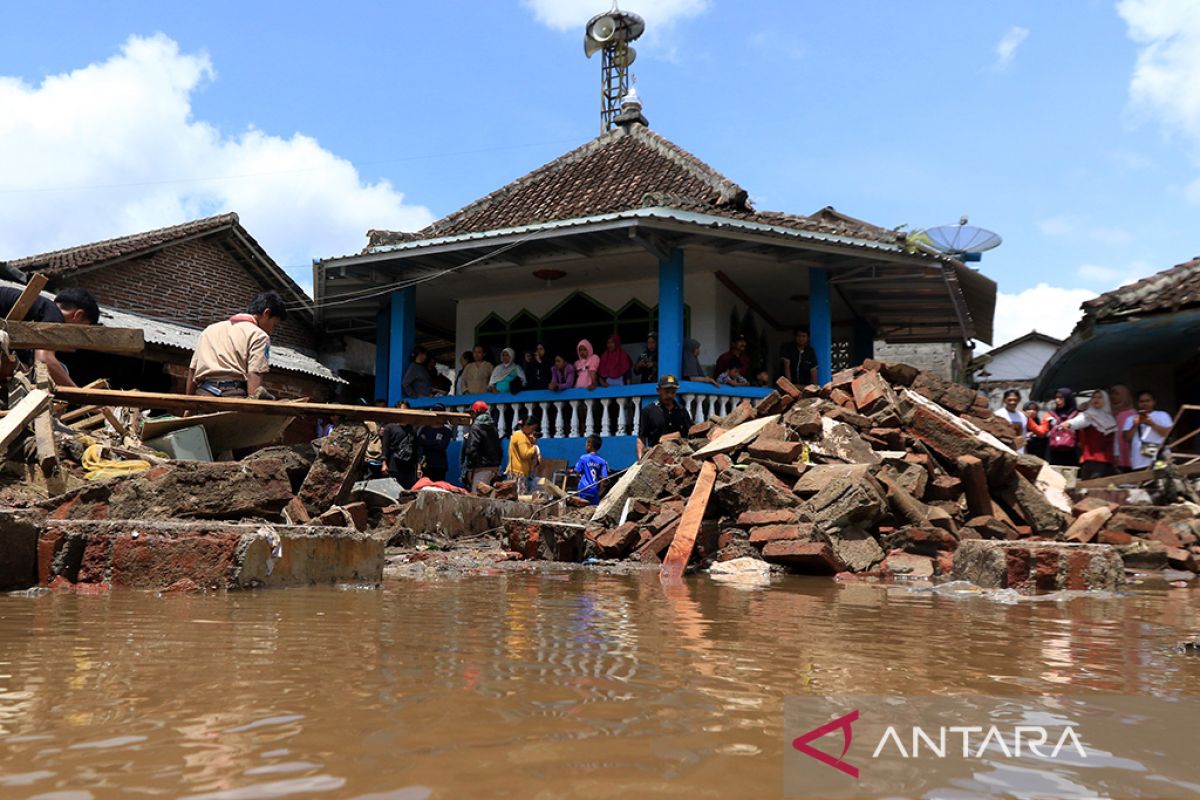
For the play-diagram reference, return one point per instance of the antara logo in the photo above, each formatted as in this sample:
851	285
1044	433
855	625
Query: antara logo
843	723
976	742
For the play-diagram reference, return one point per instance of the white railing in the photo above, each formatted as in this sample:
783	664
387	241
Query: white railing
607	412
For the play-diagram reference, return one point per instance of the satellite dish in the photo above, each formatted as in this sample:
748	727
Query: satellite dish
963	241
603	29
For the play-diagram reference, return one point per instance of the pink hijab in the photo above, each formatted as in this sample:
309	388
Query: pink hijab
616	363
585	367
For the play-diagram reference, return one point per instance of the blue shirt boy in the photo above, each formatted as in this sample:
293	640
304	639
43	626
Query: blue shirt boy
592	469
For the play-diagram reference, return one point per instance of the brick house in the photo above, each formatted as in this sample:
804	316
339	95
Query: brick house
174	281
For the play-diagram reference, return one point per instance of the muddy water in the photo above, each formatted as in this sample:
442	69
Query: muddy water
516	684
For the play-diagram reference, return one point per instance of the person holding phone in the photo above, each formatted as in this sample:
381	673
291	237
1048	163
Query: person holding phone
1146	431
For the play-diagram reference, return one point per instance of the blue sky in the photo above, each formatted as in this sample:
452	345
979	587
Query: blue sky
1071	128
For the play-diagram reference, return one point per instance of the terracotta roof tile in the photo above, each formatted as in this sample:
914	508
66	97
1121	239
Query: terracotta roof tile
627	168
1169	290
60	262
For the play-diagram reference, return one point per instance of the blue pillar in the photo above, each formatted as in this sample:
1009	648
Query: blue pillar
402	339
670	314
864	340
820	322
383	340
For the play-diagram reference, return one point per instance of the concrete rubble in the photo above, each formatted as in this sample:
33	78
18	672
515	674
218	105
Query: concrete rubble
281	516
885	472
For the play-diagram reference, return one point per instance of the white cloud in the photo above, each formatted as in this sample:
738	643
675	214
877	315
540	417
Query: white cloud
1061	225
567	15
1110	278
1006	48
113	148
1166	78
1051	310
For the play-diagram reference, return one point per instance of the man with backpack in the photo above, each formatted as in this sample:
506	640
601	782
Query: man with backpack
481	453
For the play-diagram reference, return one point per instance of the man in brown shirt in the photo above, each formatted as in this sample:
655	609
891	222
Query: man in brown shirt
232	356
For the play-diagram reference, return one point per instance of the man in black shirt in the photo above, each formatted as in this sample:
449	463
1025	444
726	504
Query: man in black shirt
663	416
72	306
799	359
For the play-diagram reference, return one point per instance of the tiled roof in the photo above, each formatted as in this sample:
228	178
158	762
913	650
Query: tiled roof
626	168
60	262
183	337
1166	291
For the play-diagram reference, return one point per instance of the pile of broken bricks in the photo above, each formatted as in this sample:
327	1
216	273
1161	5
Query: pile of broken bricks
885	471
281	516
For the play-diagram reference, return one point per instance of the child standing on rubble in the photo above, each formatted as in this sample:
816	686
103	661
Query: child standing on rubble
591	469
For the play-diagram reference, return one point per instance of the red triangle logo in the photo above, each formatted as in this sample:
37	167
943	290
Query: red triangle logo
842	723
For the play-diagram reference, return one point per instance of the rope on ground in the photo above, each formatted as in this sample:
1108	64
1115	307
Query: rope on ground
97	467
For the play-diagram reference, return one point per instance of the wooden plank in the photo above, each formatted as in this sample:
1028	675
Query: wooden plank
43	428
180	403
689	524
731	440
29	295
21	415
62	337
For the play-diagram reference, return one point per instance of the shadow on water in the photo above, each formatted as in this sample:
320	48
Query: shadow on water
571	683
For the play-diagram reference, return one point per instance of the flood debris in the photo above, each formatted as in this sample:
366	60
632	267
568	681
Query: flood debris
885	472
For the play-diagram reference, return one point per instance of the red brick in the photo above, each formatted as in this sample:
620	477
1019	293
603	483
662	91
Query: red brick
771	533
1018	568
815	558
1077	564
1045	569
778	516
772	450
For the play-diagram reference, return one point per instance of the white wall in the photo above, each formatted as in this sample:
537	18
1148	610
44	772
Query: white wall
945	359
1021	363
709	309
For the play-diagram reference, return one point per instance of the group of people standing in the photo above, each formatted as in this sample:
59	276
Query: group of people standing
612	366
1114	431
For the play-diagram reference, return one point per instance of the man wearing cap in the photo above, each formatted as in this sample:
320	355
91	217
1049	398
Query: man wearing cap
663	416
481	453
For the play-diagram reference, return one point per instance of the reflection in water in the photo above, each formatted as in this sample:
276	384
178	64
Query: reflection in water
574	683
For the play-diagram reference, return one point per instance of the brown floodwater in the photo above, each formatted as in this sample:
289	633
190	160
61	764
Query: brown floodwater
518	684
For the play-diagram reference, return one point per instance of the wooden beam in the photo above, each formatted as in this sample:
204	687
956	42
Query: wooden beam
1137	476
29	296
21	415
689	525
180	403
59	337
43	433
754	305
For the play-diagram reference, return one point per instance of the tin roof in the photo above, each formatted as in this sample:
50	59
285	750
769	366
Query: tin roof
182	337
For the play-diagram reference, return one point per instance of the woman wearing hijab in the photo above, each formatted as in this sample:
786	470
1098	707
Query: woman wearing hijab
507	377
1064	443
586	366
1096	427
615	364
691	367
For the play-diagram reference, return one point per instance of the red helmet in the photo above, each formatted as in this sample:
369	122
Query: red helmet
479	407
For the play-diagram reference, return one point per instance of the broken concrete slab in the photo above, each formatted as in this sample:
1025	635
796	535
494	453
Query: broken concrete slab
644	480
752	488
453	516
1039	514
153	554
1033	566
549	540
818	476
855	548
845	502
841	441
335	469
226	490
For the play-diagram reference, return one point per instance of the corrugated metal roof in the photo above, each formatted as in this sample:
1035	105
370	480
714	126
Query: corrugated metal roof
183	337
